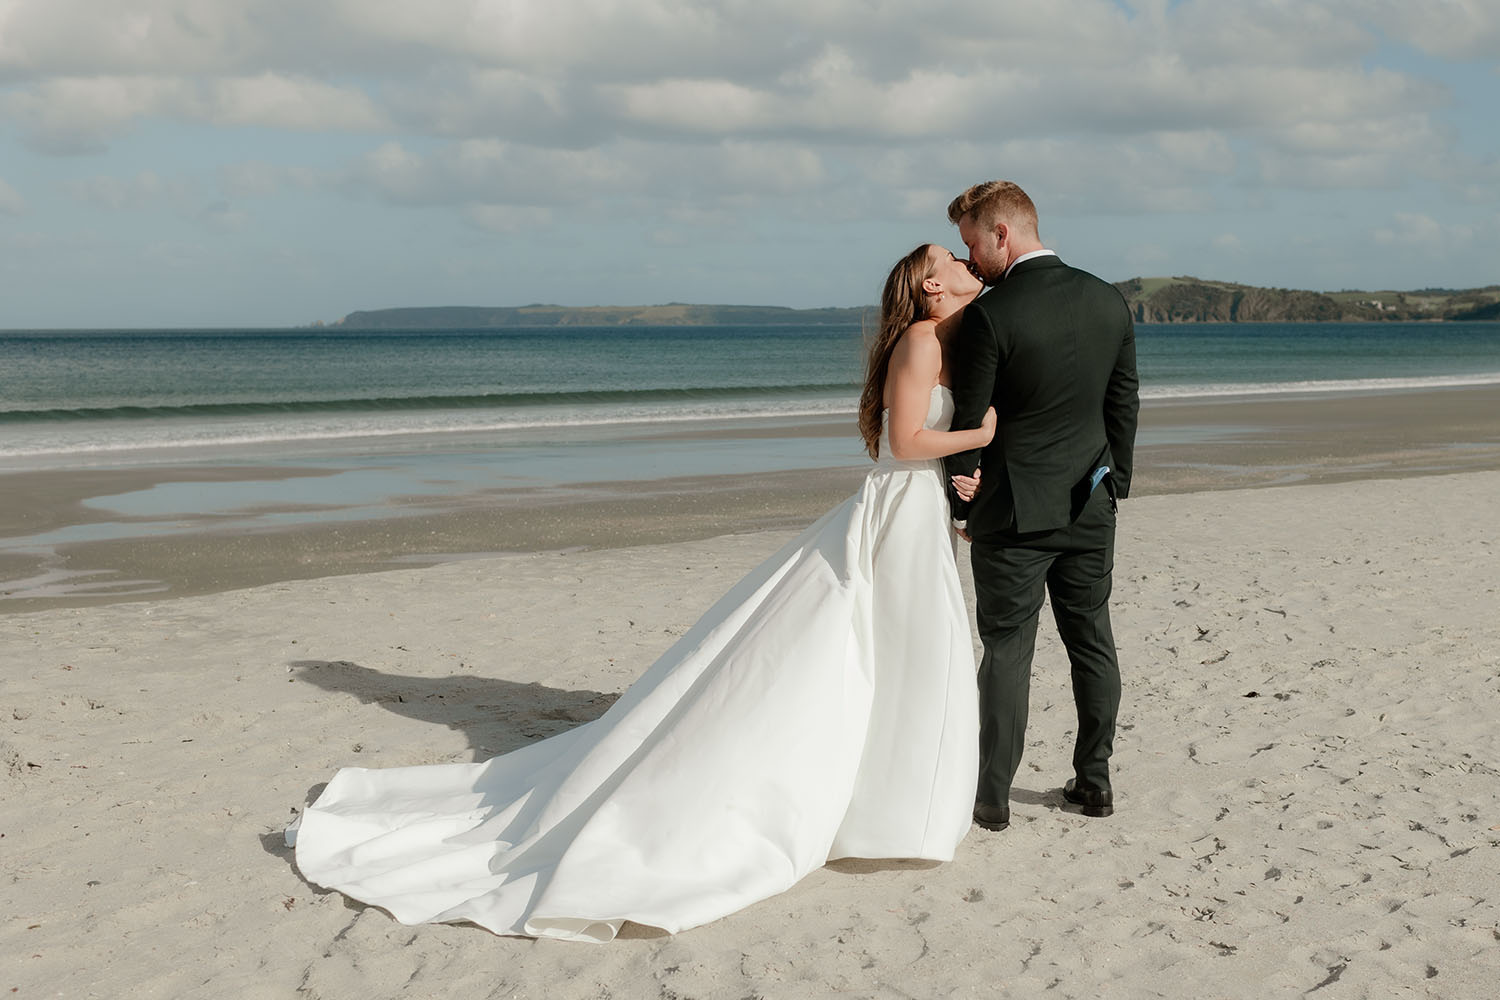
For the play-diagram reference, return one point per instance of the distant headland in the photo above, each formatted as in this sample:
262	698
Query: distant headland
1193	300
1152	300
672	314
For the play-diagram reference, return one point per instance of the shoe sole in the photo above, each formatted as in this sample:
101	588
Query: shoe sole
997	827
1089	810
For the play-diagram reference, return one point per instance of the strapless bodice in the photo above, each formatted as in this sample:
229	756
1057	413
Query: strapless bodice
939	418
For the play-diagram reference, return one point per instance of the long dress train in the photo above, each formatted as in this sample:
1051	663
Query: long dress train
825	707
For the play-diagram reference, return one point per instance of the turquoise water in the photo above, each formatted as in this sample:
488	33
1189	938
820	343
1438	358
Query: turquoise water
1216	359
81	398
384	424
103	375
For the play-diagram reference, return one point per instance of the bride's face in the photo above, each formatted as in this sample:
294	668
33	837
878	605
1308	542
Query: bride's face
954	276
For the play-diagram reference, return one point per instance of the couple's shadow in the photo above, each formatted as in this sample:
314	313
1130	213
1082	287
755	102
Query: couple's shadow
494	715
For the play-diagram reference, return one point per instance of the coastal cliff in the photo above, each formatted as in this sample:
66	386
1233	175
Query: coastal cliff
1192	300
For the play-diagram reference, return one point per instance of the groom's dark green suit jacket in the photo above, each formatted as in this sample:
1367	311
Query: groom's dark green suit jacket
1052	349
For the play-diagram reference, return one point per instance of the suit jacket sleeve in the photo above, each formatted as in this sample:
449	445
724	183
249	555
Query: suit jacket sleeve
1121	406
975	359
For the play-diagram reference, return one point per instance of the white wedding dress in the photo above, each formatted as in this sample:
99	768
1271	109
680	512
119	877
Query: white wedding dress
824	708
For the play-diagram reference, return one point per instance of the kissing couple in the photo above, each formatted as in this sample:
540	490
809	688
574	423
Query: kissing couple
826	706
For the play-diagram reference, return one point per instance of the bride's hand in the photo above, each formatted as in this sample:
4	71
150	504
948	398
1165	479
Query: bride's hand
987	424
965	486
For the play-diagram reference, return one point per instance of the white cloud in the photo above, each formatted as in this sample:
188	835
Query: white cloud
466	101
151	192
251	179
676	117
1417	230
922	203
831	107
491	171
11	202
143	190
83	114
273	101
767	167
508	218
1454	29
713	107
40	38
71	115
1161	172
575	72
1370	154
488	171
697	216
223	215
1271	34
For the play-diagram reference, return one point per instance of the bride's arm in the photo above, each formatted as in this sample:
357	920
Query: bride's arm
915	364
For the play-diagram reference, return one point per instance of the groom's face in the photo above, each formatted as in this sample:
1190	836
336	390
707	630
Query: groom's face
988	249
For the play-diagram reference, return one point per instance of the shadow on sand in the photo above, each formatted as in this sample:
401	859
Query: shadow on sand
495	716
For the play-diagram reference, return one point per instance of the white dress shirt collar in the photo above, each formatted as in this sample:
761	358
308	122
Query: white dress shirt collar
1027	256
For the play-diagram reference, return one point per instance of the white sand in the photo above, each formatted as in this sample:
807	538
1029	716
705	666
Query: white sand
1308	780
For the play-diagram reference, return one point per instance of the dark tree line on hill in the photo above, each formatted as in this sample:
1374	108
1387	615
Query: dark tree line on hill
1189	300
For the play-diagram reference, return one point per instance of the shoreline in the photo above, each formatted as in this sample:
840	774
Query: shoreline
47	559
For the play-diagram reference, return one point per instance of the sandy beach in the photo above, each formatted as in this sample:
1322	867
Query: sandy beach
1307	778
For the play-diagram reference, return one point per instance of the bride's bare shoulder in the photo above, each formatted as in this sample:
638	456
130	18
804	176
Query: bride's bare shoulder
920	337
918	351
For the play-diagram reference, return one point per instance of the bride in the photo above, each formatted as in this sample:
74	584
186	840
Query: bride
824	708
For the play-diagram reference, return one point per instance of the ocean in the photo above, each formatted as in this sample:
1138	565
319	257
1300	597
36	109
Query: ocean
110	397
245	431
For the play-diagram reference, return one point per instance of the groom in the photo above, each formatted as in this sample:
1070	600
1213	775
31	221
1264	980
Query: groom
1052	349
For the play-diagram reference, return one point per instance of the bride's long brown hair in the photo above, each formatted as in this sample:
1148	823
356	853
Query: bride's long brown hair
901	304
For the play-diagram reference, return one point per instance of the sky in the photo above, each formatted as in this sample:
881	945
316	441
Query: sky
241	163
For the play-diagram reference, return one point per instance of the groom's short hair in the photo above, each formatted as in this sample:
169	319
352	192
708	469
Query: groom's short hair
992	202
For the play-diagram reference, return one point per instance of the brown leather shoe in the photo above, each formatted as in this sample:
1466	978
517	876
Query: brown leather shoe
1092	801
992	817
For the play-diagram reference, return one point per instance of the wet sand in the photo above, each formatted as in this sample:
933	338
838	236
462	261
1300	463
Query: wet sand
1188	446
1271	440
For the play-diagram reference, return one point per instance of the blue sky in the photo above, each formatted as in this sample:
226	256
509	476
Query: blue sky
277	162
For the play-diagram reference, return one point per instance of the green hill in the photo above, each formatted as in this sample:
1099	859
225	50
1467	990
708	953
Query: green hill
1192	300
